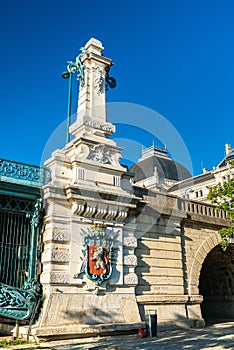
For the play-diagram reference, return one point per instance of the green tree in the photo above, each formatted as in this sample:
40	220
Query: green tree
223	197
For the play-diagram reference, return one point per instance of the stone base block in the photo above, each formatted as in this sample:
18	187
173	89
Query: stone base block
173	311
79	331
183	323
88	309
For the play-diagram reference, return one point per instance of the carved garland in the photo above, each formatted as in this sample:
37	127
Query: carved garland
99	81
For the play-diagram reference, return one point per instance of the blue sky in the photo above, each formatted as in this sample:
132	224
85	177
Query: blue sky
174	57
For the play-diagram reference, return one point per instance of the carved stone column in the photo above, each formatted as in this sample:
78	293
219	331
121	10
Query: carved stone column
88	261
91	109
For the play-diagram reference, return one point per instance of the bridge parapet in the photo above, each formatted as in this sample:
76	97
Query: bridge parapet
171	205
194	207
23	173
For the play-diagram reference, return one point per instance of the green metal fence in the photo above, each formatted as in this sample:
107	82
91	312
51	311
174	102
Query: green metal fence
20	231
14	247
20	226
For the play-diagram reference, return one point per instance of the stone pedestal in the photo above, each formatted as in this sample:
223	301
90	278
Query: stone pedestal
88	262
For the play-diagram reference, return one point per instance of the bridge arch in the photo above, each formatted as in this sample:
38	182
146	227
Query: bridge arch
212	276
205	248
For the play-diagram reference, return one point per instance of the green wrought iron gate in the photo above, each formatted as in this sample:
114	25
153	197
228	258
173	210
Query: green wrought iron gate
20	228
14	247
19	238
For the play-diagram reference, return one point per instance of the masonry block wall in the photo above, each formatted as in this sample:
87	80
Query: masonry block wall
172	246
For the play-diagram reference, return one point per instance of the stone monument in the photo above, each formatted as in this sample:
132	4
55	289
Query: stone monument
88	261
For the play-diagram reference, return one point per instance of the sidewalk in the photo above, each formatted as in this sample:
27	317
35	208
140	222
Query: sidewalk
216	337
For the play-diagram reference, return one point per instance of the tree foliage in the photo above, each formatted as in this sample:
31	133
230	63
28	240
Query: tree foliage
222	195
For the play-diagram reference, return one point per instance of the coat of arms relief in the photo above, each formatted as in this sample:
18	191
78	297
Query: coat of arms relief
98	252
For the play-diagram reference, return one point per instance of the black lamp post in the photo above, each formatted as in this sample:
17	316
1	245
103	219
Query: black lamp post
67	75
73	67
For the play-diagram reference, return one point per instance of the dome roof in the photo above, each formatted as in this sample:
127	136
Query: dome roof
155	161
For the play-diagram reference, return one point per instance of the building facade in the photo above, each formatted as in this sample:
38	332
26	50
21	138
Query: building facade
197	187
115	247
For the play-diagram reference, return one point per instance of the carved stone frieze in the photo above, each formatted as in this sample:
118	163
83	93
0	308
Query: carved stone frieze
122	214
131	279
62	236
89	210
60	256
107	127
130	242
62	278
105	155
77	208
130	260
55	256
111	214
99	80
100	211
82	151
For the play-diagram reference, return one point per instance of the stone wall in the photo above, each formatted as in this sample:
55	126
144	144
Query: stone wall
172	246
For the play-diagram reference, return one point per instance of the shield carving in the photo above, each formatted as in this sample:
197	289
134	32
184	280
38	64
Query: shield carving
98	266
98	253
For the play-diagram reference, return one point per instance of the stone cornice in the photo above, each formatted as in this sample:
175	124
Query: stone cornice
101	195
97	58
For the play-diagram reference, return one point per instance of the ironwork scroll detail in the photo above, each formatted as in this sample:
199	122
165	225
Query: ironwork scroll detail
35	216
78	67
19	303
23	171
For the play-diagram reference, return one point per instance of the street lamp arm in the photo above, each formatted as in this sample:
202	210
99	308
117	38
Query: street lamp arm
77	67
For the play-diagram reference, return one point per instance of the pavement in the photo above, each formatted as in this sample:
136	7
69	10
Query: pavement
215	337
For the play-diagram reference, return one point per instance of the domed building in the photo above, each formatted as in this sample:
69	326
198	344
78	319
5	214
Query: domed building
156	170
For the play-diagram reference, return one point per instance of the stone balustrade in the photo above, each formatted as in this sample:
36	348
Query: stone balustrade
194	207
173	205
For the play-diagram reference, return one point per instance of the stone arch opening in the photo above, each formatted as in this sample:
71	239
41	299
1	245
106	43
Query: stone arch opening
216	285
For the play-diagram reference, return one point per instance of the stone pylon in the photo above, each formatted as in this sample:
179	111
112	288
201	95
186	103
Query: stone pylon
88	261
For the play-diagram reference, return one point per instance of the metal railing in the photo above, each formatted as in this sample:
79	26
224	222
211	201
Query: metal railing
23	172
15	244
